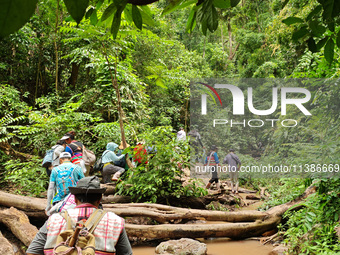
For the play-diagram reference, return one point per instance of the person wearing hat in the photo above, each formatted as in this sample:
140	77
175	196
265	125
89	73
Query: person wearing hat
109	158
62	177
212	162
110	235
57	149
75	148
234	164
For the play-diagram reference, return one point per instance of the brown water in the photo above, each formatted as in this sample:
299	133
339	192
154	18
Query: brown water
221	246
224	246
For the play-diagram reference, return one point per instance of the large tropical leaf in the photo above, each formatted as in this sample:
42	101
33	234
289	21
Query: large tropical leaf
76	8
14	14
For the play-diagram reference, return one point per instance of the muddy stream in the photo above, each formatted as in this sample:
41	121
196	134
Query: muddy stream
223	246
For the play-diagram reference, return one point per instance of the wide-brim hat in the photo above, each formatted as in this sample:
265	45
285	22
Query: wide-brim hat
121	147
87	185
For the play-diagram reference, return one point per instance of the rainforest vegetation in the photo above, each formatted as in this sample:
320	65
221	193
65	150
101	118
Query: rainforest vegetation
102	65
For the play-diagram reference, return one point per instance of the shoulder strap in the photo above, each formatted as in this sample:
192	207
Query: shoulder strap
69	222
105	153
234	158
210	158
94	219
78	147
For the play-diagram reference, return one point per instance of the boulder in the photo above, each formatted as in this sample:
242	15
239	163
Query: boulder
279	250
183	246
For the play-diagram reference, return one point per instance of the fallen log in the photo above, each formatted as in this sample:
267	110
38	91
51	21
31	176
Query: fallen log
27	204
236	225
19	225
5	246
165	213
231	230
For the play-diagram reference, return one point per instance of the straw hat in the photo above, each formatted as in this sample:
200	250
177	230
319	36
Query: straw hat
121	147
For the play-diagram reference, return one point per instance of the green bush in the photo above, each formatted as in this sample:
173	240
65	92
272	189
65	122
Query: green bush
27	177
160	178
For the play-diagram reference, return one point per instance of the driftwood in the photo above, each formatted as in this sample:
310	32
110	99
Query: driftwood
19	224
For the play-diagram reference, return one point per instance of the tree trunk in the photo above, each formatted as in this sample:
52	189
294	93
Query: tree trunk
74	75
119	106
27	204
231	230
166	214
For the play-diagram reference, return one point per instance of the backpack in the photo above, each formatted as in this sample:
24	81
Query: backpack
98	166
48	158
65	179
88	157
78	239
121	162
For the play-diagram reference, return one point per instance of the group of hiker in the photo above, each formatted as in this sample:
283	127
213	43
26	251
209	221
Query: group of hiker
212	160
68	166
73	198
234	164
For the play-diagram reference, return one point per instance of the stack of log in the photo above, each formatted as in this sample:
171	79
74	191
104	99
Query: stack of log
170	221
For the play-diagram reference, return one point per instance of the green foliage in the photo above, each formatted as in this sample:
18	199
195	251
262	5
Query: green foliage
28	177
8	131
160	179
76	8
14	14
11	101
318	27
311	230
284	190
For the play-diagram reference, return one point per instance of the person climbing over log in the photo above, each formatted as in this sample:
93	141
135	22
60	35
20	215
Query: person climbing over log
234	164
109	231
62	177
211	163
109	158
